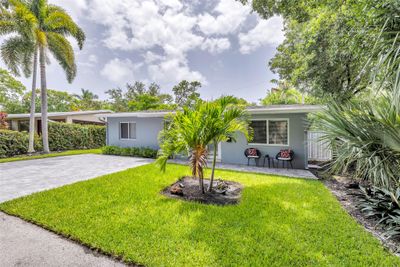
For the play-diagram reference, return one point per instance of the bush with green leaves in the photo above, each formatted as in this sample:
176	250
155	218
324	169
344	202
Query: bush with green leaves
144	152
65	136
14	143
384	206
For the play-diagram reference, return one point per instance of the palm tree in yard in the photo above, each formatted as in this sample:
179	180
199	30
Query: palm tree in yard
48	26
194	129
229	119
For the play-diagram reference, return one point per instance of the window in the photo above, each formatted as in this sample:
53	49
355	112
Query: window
271	132
127	130
260	131
278	132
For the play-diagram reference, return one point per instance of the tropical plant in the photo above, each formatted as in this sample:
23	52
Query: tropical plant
365	133
384	206
228	119
193	129
48	27
186	133
18	51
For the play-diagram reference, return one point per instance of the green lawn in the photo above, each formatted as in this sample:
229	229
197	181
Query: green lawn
51	155
279	222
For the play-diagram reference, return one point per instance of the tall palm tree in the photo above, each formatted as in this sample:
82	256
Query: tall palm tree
18	51
45	30
54	25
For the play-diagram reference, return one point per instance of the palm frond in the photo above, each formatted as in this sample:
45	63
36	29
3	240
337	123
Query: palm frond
62	50
59	21
17	54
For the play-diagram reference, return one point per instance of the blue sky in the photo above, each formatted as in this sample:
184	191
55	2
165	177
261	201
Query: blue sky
220	42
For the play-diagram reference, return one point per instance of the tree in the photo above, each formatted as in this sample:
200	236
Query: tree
19	51
87	100
327	50
229	119
57	101
186	93
137	98
50	26
193	129
11	91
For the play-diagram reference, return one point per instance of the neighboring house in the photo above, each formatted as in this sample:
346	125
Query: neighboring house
275	127
20	122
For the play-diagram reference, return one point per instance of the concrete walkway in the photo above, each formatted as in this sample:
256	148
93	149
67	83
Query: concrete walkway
22	178
24	244
293	173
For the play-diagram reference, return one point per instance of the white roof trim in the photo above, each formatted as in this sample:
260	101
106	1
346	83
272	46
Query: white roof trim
155	114
285	109
273	109
60	114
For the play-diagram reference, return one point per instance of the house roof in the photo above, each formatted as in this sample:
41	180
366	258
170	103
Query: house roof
59	114
284	109
272	109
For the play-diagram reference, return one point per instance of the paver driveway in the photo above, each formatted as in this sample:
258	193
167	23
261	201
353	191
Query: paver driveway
24	244
21	178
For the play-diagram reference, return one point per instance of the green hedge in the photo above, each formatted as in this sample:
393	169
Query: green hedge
63	136
14	143
143	152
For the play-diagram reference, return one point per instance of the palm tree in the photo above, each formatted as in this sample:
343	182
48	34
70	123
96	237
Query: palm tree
185	134
87	100
229	119
44	29
19	52
54	25
193	129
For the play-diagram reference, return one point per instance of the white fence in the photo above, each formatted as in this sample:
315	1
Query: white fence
318	150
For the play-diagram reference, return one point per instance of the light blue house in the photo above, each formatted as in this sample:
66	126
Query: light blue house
275	127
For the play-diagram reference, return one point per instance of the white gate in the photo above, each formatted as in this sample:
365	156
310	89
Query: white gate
318	150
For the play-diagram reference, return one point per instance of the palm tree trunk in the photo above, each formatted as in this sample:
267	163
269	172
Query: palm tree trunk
43	94
213	166
31	147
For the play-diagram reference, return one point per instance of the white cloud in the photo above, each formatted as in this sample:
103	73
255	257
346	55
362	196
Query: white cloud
165	31
120	71
216	45
231	14
172	71
266	32
93	59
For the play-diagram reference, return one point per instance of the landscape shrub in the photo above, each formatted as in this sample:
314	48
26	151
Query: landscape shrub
144	152
384	206
63	136
14	143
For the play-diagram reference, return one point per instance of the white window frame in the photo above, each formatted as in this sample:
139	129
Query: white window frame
267	126
129	129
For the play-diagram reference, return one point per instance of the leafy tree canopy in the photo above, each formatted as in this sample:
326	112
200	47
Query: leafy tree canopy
186	93
11	91
285	93
328	44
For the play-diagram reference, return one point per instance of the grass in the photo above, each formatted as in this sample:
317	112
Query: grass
51	155
279	222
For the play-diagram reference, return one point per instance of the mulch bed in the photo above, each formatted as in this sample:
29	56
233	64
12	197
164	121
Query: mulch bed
347	194
188	189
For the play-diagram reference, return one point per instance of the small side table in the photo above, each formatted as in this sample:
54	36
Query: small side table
270	160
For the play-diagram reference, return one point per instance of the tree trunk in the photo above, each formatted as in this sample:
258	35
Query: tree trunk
43	94
31	147
213	166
